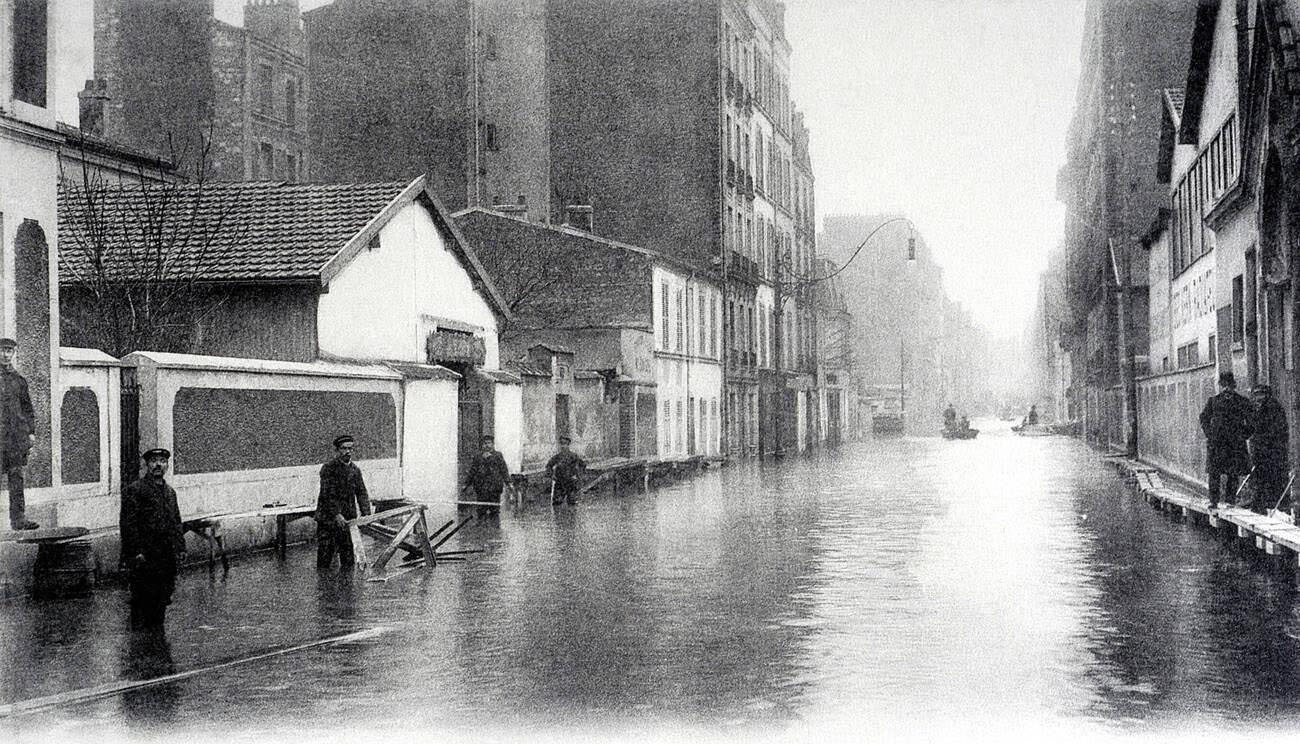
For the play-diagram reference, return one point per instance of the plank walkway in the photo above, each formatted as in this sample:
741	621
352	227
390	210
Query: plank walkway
1276	537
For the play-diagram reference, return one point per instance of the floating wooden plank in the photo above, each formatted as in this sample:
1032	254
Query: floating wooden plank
75	697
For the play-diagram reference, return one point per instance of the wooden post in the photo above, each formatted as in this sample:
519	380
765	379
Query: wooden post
381	562
422	533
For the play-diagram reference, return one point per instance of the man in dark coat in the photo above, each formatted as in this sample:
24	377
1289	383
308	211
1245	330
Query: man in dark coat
565	469
488	473
19	422
342	494
1225	420
153	541
1268	449
950	417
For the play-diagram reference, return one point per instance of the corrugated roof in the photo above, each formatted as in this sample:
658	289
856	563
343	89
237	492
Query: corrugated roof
254	231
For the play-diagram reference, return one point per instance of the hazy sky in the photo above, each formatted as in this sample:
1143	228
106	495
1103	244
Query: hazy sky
953	112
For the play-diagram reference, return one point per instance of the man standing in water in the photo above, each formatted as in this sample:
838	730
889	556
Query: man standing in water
19	422
153	541
1225	420
565	468
342	494
488	474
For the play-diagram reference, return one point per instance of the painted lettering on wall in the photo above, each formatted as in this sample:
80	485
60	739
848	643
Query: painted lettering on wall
1193	300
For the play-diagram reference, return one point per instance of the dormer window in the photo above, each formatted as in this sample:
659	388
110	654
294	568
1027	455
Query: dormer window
30	51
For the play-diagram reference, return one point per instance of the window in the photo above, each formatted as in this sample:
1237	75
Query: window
664	342
1238	311
290	168
690	329
290	102
667	425
679	430
490	47
264	86
679	324
490	142
701	324
266	162
1210	175
30	59
713	329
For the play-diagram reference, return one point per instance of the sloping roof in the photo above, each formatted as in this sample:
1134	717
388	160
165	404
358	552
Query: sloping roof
1198	71
243	231
254	231
560	277
1170	122
414	371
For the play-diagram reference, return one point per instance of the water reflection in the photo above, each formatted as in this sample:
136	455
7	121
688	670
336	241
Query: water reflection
147	655
920	581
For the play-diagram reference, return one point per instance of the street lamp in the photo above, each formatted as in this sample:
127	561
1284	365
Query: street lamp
778	319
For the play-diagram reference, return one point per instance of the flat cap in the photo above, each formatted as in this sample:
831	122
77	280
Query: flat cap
565	440
156	452
343	439
8	343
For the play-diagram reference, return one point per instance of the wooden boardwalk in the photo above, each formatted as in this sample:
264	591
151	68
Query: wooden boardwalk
1274	536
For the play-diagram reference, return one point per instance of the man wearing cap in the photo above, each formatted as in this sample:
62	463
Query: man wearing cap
1225	420
342	496
565	469
1268	449
19	421
488	473
153	541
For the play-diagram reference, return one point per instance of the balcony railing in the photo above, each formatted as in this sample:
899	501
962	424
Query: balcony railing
742	266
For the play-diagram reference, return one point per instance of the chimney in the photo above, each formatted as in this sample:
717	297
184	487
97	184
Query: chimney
93	99
513	210
579	216
277	22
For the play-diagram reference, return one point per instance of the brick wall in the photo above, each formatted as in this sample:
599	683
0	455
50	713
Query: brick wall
389	80
635	101
155	56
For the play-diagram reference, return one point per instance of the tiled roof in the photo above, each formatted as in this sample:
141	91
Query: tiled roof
529	370
252	231
585	281
1176	97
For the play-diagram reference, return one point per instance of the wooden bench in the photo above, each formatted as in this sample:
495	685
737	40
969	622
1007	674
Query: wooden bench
210	528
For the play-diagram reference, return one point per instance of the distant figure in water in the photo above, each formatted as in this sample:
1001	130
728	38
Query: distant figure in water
965	424
949	417
1032	417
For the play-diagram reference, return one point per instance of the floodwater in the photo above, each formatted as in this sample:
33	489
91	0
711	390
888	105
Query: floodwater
908	588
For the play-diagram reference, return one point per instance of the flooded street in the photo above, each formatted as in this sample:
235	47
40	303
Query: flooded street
918	583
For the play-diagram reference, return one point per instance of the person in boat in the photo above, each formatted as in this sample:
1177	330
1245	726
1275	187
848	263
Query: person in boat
949	417
1031	418
964	425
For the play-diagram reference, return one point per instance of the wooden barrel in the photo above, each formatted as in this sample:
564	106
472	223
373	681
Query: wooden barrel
64	569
